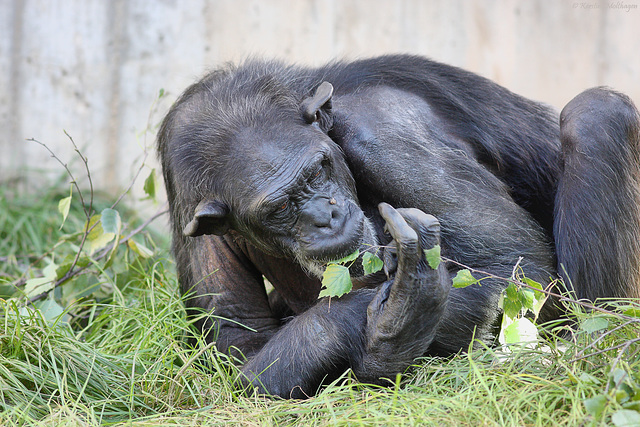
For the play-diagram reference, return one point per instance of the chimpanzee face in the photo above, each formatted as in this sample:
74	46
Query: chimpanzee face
290	195
303	206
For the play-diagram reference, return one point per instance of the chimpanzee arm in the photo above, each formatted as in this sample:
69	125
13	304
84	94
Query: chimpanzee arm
401	152
225	283
291	360
312	348
377	332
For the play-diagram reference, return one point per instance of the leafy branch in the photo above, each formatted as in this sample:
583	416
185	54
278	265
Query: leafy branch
101	234
521	296
88	209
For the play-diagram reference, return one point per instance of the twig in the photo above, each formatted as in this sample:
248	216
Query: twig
625	344
66	167
601	337
74	272
561	298
88	210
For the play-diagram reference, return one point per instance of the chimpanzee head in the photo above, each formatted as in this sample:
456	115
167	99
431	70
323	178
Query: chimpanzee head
250	155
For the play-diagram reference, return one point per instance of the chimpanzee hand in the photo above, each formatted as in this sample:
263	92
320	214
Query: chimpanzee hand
403	316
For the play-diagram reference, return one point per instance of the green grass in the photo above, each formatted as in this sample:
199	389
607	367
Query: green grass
117	354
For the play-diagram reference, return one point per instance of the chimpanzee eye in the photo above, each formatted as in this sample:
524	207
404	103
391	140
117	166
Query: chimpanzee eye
319	171
281	208
316	177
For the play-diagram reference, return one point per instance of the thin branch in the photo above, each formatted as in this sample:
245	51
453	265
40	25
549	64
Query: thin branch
561	298
64	165
604	335
88	210
72	272
624	344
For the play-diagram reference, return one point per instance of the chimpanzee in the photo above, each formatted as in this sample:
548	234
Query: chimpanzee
273	170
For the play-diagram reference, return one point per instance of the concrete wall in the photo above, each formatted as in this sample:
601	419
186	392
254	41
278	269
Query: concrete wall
94	67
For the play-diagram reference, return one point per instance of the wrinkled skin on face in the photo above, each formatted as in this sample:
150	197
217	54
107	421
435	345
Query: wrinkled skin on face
297	200
272	171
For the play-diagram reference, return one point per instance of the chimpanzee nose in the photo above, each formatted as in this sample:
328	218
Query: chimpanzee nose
322	212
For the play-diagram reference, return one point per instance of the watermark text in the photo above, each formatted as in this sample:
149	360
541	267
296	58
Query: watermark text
615	5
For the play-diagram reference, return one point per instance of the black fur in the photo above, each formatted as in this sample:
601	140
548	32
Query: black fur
276	174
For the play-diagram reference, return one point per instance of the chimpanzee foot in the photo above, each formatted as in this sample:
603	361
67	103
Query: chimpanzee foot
403	316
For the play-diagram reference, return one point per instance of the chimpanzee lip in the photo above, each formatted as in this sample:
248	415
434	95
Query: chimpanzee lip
347	242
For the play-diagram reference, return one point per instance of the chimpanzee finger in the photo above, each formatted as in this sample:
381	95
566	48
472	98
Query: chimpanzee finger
406	237
390	260
426	226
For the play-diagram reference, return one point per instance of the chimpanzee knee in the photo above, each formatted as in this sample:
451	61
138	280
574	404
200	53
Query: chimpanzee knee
600	134
598	118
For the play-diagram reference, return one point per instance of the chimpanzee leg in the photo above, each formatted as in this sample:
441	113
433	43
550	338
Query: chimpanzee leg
597	208
377	332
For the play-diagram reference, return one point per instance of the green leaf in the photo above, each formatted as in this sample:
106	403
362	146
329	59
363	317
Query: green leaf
526	298
336	281
111	223
371	263
623	384
589	379
67	263
150	184
51	311
594	324
37	285
622	395
634	404
348	258
520	331
511	303
511	308
50	270
64	205
110	219
539	297
631	311
463	279
533	284
97	238
80	287
433	256
139	249
595	406
626	417
618	376
512	291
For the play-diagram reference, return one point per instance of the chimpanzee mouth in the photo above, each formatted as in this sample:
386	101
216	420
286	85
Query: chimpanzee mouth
340	241
315	265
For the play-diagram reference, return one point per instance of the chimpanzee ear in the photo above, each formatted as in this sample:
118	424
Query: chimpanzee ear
316	109
210	217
